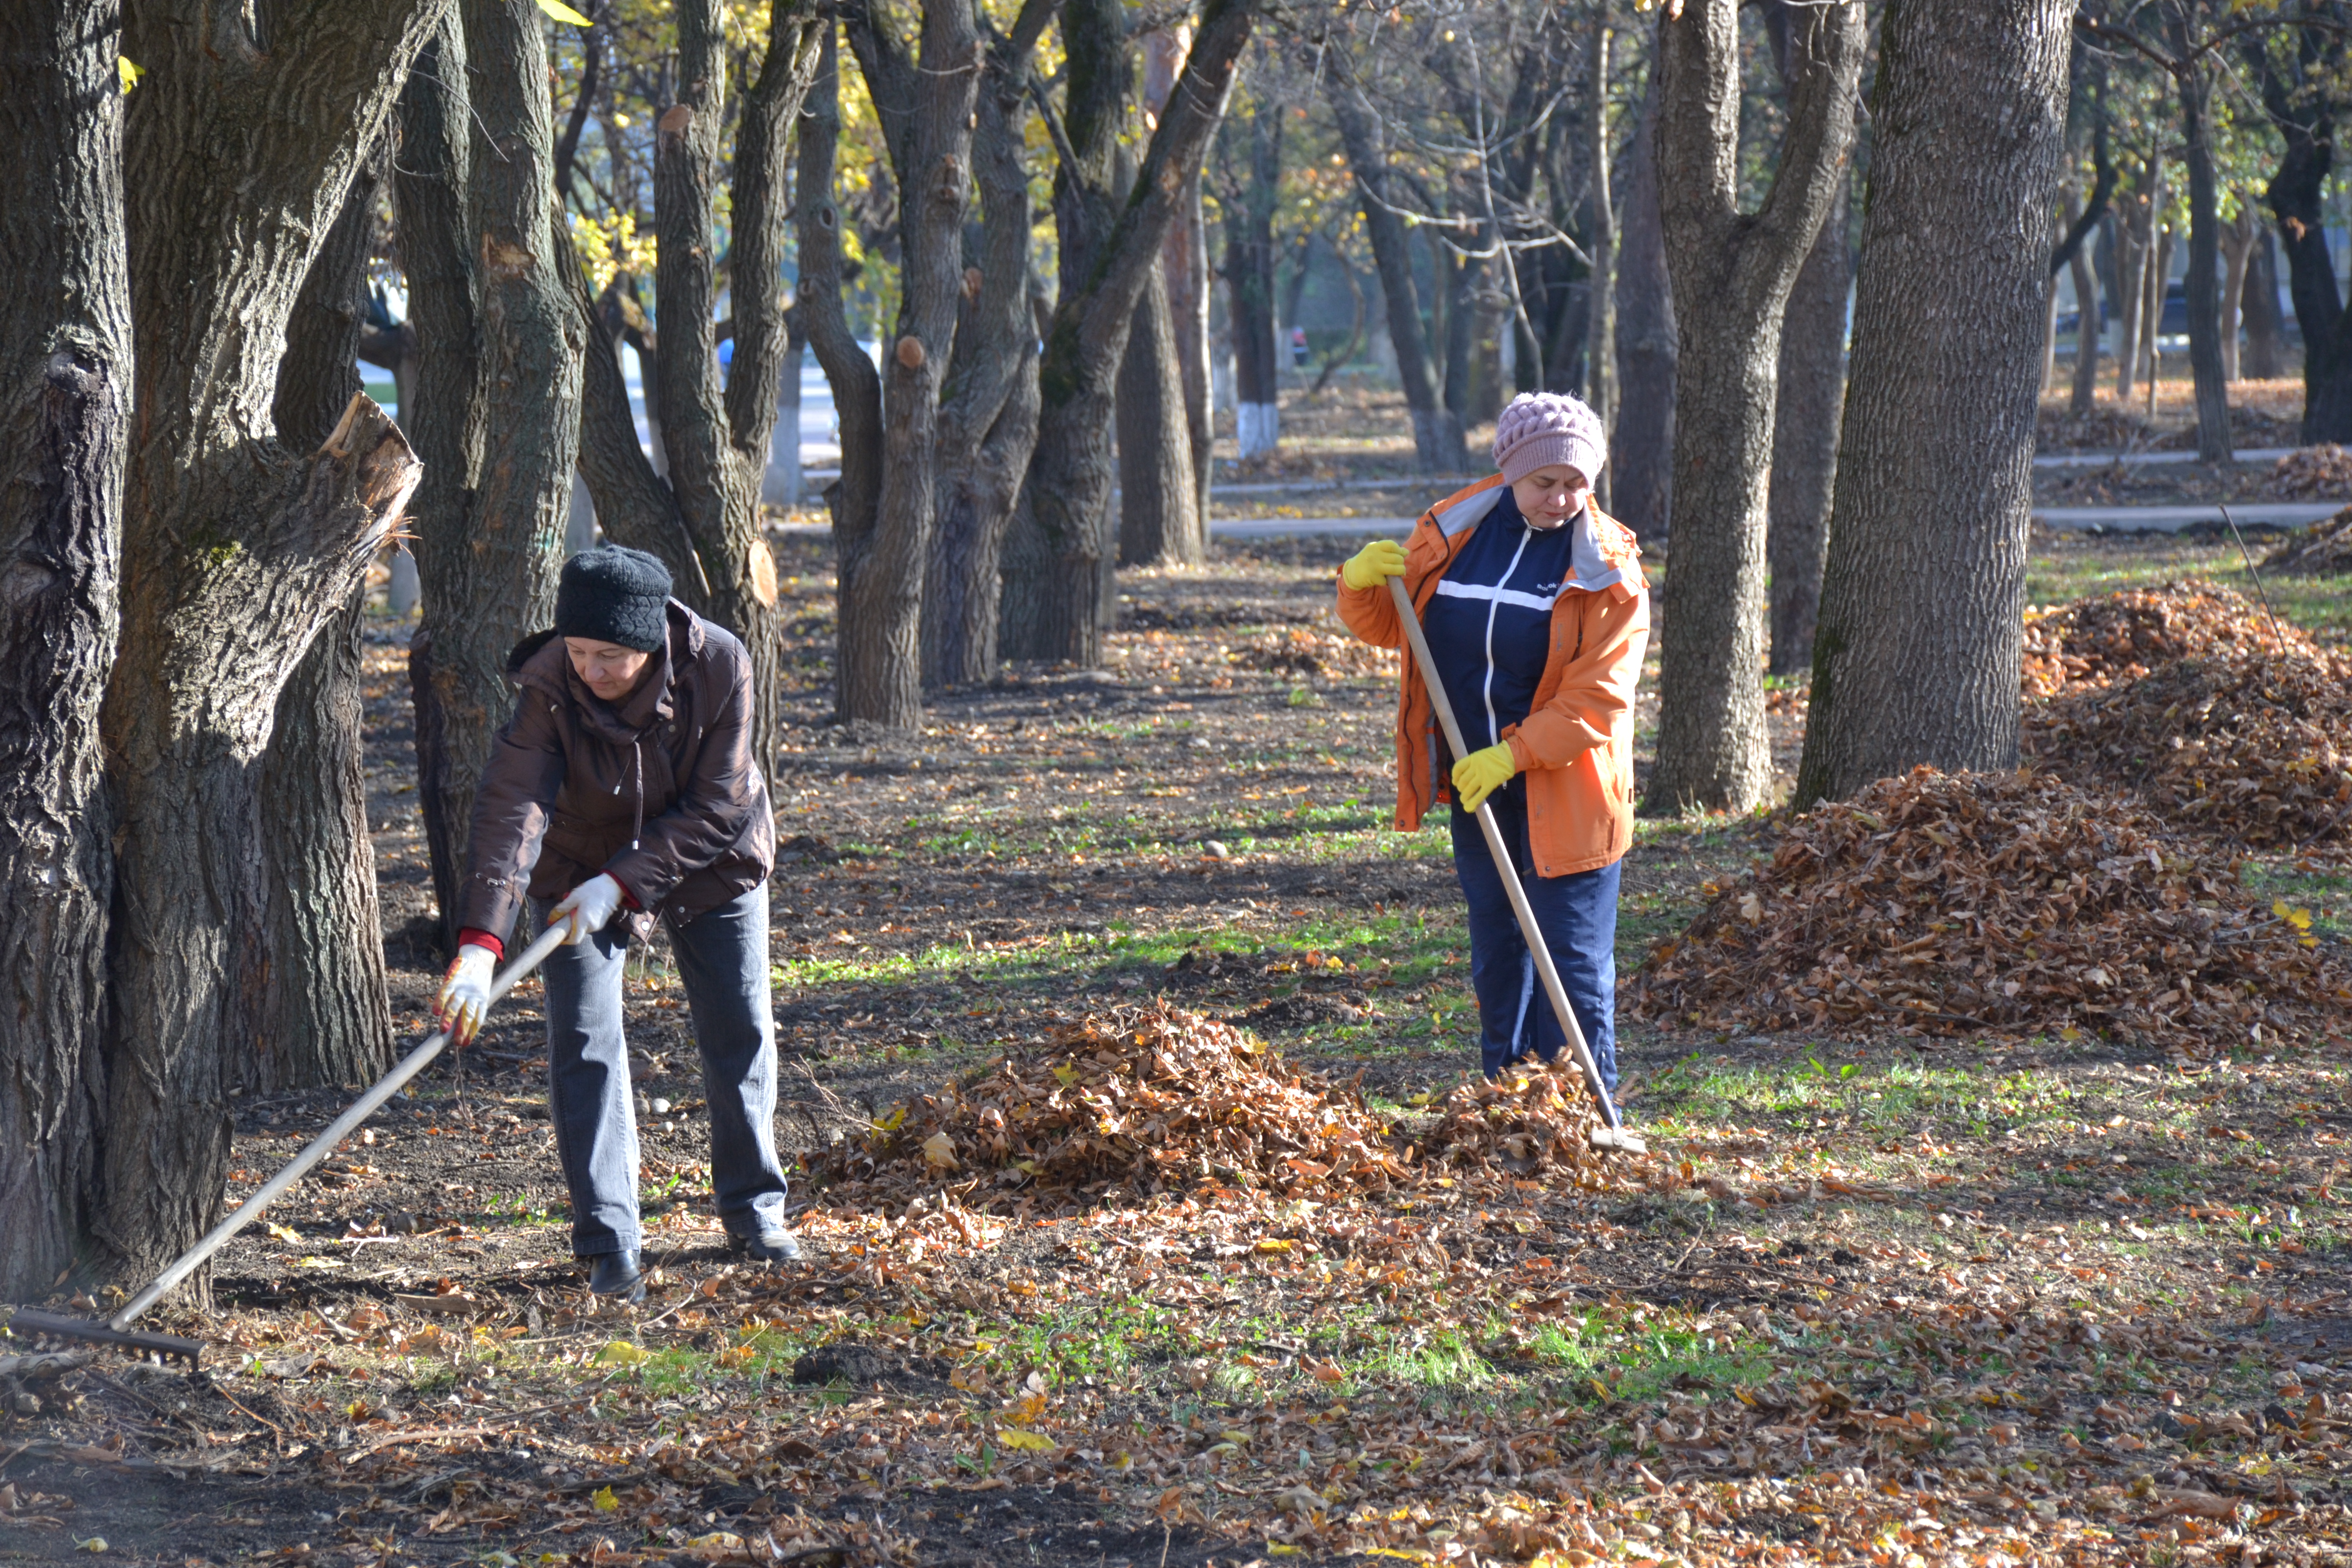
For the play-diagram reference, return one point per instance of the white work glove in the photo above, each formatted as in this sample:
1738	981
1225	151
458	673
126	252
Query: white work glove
465	992
588	908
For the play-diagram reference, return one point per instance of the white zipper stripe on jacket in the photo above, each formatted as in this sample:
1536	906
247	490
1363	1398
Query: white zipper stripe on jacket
1540	603
1493	605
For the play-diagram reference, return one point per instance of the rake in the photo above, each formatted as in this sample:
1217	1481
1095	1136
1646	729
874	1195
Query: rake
117	1329
1615	1136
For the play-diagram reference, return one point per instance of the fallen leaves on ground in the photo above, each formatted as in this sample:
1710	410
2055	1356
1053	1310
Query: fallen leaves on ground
1142	1098
2325	550
1534	1119
2322	472
2124	635
2009	903
2254	749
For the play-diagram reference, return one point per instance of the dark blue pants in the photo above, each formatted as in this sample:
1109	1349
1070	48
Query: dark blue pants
1577	917
722	963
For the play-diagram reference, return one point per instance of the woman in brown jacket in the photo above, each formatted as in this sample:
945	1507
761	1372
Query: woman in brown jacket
624	790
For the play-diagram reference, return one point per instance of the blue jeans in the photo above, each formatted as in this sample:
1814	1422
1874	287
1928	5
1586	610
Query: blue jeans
1577	917
722	962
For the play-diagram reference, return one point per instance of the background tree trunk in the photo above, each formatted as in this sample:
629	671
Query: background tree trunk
1600	297
988	416
2238	237
235	551
2202	292
1436	432
1732	273
328	1016
2087	333
1184	260
1922	611
1806	414
715	435
2303	113
2265	324
1642	447
1070	479
65	425
2134	250
1159	522
1249	280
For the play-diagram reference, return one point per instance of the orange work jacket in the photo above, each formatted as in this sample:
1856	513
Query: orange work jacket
1576	745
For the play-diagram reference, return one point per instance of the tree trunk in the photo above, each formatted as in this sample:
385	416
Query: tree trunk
1806	412
1249	278
65	426
2203	290
1159	523
1436	432
1184	260
1069	480
1922	610
1642	447
716	436
988	416
2298	201
928	114
2087	333
1732	273
2265	327
2151	311
2133	253
2237	239
327	1017
236	552
1600	298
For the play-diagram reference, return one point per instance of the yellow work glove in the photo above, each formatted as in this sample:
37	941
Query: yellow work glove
1481	773
1373	565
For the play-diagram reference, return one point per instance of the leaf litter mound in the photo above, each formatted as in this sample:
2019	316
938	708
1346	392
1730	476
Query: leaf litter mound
2249	748
1144	1099
2123	635
2325	550
1147	1099
2002	903
2322	472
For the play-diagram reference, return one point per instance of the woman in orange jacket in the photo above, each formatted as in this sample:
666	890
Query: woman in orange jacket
1537	617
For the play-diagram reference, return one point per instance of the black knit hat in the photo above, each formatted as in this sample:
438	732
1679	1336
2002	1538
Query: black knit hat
613	593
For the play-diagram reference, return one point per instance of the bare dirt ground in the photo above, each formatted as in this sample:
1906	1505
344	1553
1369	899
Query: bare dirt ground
1882	1302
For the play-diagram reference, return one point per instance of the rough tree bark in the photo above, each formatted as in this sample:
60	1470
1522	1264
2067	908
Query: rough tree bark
1806	412
1600	298
1732	273
988	414
65	423
1642	444
2087	333
2302	106
1249	283
925	97
2265	324
327	1017
2135	249
1436	430
1070	478
236	550
2238	237
1922	611
1159	522
1184	260
2194	83
715	437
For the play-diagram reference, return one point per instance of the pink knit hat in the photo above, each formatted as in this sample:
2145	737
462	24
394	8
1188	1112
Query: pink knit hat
1549	429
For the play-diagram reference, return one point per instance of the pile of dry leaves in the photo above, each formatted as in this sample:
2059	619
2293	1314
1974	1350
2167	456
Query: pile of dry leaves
1143	1098
2326	549
1534	1119
2006	903
2250	749
2124	635
2324	473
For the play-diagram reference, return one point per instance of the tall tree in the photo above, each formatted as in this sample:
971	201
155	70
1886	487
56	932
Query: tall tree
328	1017
1601	354
236	550
988	413
715	431
1157	519
1184	259
2301	75
1732	272
1922	610
1641	441
64	426
1249	288
498	415
1061	611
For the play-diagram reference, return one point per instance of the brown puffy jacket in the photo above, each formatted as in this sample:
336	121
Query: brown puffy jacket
662	792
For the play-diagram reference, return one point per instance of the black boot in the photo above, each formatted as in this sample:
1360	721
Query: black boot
773	1245
616	1274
